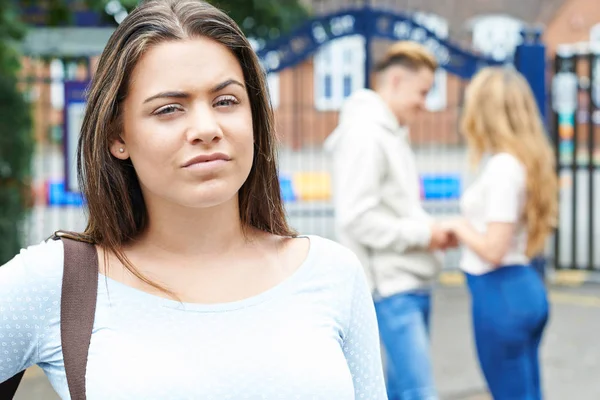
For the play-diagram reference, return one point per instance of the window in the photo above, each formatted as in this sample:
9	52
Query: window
339	71
347	85
437	96
327	88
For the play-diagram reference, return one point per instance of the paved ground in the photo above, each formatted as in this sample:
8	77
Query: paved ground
571	350
570	353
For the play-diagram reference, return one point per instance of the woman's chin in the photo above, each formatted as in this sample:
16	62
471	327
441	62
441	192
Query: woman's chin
210	199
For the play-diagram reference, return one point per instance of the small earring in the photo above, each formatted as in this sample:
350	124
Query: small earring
121	150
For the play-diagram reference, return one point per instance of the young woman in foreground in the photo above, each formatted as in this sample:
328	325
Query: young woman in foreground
205	292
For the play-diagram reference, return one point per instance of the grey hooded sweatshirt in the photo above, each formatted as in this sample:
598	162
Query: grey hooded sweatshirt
376	196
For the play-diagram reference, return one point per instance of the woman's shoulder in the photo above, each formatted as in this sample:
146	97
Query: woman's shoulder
40	264
504	160
333	258
505	164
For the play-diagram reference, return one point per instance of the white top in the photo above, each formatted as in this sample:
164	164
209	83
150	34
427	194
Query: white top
313	336
497	195
377	197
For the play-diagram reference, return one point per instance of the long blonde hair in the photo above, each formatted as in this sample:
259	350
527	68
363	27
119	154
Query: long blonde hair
501	115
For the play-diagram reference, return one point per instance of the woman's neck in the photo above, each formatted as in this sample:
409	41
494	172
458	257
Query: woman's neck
192	231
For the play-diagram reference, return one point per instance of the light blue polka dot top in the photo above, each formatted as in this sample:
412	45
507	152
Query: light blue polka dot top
313	336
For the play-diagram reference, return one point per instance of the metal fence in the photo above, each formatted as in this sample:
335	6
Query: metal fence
576	129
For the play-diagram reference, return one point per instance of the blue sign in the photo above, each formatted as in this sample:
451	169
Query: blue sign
441	187
294	48
58	196
75	102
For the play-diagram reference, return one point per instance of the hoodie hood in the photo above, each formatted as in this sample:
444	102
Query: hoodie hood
363	107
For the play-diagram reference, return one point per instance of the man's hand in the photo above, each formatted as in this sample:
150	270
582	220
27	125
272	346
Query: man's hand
454	227
452	240
440	237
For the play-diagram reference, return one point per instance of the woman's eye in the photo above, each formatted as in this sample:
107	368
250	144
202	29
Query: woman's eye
226	101
167	110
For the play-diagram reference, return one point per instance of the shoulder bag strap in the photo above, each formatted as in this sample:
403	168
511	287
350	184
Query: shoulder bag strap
78	309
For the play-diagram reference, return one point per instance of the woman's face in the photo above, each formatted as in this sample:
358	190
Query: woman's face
187	124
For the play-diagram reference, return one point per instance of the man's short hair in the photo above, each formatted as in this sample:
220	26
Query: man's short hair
408	54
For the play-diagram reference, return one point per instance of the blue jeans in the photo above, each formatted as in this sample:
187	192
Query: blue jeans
510	311
404	327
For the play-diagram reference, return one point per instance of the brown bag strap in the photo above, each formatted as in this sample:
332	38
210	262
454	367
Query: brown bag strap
77	311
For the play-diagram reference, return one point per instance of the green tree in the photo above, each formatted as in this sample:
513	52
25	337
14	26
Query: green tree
16	141
264	19
261	19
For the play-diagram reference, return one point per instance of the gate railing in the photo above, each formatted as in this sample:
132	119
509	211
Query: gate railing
576	131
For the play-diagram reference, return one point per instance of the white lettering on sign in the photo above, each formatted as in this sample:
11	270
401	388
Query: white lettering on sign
319	33
402	30
418	35
272	60
432	45
432	22
299	44
442	54
406	31
342	25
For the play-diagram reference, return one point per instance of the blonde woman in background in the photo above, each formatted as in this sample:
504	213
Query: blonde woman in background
507	214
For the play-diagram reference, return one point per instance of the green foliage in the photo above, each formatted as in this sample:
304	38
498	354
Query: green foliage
16	142
261	19
264	19
11	31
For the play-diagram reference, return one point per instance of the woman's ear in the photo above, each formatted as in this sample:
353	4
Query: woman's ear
118	149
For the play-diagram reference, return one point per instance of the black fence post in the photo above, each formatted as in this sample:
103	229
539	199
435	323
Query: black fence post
368	32
565	88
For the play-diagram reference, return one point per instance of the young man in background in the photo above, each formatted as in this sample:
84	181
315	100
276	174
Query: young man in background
379	214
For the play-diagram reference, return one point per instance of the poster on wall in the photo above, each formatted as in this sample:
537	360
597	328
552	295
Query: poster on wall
73	118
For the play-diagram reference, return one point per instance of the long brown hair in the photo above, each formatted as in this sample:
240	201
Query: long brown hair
117	212
501	115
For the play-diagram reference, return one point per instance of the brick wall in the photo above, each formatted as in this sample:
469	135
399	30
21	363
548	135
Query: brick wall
571	24
300	124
